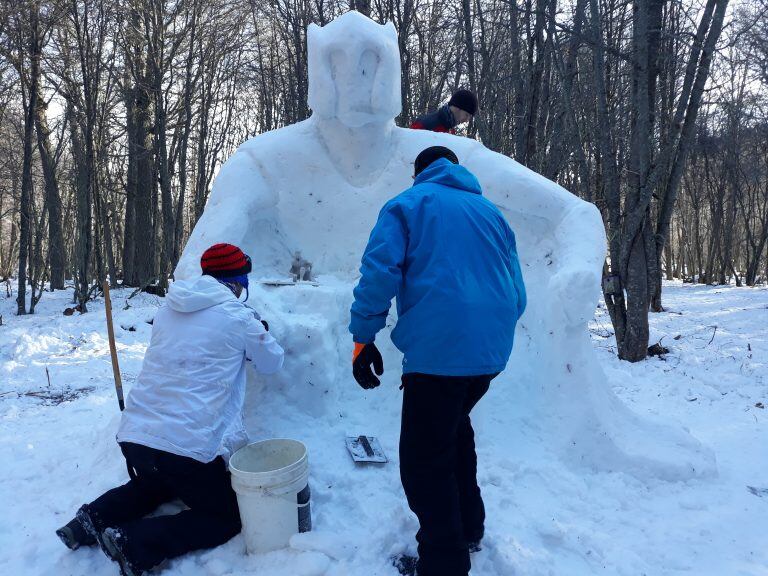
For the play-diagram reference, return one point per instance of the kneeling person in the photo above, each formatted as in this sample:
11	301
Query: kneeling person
182	420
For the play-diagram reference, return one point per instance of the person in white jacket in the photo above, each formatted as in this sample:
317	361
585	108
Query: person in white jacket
182	421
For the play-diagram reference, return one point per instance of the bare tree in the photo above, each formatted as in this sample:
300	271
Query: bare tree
611	99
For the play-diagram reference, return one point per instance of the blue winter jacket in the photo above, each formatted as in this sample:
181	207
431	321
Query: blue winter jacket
450	258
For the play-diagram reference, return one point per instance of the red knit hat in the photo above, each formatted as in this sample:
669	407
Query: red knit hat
225	261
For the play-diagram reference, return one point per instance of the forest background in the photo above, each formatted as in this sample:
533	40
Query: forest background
116	116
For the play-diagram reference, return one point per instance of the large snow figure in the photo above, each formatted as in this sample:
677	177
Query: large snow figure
317	186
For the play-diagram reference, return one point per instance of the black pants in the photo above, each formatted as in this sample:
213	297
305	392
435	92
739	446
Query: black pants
438	467
212	518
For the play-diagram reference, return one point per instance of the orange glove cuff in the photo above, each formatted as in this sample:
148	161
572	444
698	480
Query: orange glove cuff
358	348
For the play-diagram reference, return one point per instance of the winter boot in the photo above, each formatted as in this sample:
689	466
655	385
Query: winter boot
113	544
89	523
406	564
475	546
75	535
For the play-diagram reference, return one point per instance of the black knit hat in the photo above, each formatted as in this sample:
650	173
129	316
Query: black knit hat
429	155
464	100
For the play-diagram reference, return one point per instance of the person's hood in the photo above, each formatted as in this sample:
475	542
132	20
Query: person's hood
197	294
445	172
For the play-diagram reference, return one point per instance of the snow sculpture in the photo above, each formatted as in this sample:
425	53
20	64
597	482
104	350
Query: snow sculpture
317	186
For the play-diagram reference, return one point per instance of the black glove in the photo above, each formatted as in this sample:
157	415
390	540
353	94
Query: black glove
361	366
266	326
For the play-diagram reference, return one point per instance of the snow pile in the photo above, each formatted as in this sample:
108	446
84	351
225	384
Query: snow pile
317	187
543	517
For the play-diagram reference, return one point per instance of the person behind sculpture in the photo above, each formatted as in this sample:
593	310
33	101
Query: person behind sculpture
450	259
460	109
181	421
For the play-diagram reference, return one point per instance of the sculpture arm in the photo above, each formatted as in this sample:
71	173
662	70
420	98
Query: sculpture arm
575	225
582	248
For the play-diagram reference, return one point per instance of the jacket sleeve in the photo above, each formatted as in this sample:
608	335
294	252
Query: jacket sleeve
382	274
261	348
522	298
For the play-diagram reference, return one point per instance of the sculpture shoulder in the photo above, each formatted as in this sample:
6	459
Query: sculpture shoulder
259	155
507	183
497	166
278	140
486	165
518	188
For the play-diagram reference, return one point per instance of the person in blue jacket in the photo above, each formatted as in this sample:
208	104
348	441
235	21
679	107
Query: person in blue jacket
449	257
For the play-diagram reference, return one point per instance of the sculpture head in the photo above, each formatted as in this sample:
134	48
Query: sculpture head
354	70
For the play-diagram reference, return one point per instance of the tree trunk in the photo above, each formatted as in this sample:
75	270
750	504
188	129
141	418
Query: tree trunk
129	233
56	248
37	265
143	230
536	61
518	107
154	22
633	257
466	14
566	116
185	135
697	72
614	299
669	262
201	185
25	230
84	218
362	6
635	344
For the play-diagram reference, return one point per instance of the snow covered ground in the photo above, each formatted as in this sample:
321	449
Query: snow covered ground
58	416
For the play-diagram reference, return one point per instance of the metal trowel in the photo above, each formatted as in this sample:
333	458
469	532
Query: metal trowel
366	449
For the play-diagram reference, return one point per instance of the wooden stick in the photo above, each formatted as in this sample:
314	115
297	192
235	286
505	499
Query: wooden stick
112	347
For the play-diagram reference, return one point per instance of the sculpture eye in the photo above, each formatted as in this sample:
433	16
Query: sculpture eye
337	59
369	61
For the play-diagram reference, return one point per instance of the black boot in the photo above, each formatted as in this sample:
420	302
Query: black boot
475	546
90	523
113	545
405	564
75	535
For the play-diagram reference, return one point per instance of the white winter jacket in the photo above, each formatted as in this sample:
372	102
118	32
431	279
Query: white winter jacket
188	398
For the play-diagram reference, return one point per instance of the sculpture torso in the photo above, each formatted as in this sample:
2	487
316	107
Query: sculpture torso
294	196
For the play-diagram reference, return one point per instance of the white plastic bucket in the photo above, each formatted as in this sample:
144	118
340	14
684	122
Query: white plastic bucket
270	479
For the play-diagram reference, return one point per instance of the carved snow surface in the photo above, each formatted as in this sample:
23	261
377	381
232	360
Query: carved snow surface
317	187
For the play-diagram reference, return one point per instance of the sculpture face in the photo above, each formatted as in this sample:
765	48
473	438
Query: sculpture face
354	70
